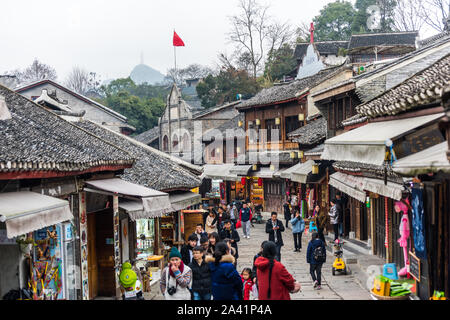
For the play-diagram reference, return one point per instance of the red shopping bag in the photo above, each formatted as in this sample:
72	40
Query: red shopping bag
238	224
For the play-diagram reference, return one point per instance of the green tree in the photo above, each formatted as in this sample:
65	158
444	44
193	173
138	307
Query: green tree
383	12
280	62
359	24
223	88
334	21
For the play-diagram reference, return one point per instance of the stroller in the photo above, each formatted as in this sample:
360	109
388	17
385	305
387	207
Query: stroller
338	264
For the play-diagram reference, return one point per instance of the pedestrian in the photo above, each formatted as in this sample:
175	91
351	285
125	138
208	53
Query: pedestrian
226	281
250	289
201	276
200	233
245	217
232	234
321	222
259	254
298	226
274	281
221	217
251	206
340	209
204	243
233	214
186	250
334	218
211	223
287	213
316	256
213	240
176	278
232	250
274	227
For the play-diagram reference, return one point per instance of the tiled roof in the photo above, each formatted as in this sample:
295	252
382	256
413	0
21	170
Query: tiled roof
324	48
368	170
152	169
231	127
357	118
423	88
383	39
285	91
311	134
148	136
35	139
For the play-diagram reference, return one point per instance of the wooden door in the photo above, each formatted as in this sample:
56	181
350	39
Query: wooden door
380	228
190	223
92	257
105	253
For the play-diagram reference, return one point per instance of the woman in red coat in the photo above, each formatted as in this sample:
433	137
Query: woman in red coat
281	282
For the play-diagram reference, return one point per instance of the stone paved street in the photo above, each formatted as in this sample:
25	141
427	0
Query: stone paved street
338	287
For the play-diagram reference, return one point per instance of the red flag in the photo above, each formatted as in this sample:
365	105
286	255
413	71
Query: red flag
177	42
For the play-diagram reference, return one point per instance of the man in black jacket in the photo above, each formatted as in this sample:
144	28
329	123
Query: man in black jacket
201	276
230	233
186	250
274	228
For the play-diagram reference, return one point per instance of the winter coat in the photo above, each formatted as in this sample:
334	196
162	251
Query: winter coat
201	277
281	282
334	215
186	251
313	244
226	281
298	224
233	235
211	224
269	230
248	287
287	210
321	220
200	235
245	214
182	283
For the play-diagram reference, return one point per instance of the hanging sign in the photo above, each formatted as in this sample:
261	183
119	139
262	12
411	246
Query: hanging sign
414	266
83	246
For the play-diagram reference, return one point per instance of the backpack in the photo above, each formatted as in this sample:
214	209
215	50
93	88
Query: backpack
319	254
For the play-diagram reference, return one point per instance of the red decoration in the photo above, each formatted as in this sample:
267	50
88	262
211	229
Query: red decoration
177	42
243	180
259	182
311	29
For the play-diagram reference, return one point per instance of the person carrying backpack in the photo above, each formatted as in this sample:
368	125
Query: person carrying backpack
316	256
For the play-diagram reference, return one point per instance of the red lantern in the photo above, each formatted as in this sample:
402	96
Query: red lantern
259	182
243	180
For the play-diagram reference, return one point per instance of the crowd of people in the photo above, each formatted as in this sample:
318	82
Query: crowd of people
205	268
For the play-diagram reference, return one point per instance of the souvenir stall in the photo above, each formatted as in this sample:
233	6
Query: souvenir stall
256	190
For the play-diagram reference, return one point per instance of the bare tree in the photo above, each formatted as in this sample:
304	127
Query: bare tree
407	15
250	30
302	32
35	72
279	34
179	76
435	13
83	81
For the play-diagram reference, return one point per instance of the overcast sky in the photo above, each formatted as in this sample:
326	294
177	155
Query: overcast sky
108	36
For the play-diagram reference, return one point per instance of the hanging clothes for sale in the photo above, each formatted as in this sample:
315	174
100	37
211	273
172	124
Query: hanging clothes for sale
311	199
418	223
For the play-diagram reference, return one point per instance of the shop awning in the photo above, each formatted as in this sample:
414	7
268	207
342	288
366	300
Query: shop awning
266	173
241	170
27	211
433	159
348	184
299	172
366	144
155	203
219	172
178	201
356	186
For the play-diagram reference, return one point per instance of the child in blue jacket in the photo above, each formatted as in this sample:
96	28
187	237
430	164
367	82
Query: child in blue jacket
298	226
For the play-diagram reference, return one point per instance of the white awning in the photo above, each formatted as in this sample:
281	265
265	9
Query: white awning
356	187
178	201
219	172
351	185
366	144
155	203
241	170
299	172
27	211
433	159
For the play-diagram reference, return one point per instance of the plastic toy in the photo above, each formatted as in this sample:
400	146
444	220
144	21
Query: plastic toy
338	264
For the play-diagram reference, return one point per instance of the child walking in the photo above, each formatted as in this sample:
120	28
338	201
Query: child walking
250	289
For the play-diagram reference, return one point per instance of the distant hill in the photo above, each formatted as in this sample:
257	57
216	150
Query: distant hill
143	73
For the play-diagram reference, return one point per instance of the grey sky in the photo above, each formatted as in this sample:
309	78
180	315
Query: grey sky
107	36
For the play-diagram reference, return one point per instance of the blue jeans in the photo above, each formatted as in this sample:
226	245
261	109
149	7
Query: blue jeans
198	296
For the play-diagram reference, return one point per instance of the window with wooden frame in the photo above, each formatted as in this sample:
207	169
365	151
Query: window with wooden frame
292	123
270	125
